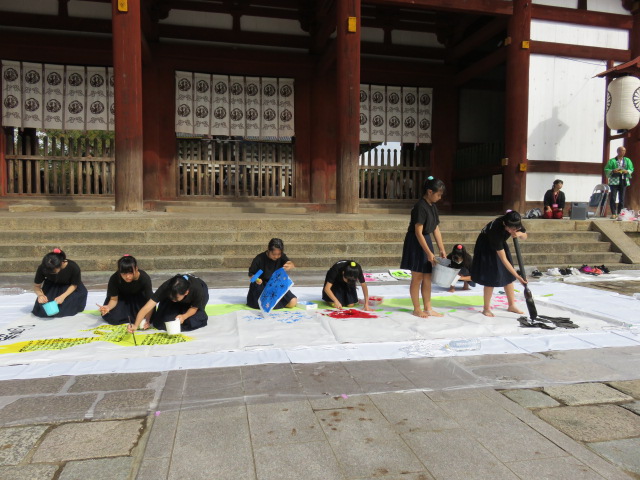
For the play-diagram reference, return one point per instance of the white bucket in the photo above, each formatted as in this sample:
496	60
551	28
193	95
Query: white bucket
442	274
173	328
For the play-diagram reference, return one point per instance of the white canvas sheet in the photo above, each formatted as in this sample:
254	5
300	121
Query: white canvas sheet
202	113
32	95
394	114
97	108
11	94
236	106
54	96
365	117
253	106
269	108
184	102
378	114
75	108
409	115
220	105
286	108
425	96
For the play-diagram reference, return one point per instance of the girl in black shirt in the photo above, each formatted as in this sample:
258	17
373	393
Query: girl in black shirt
492	263
129	289
59	279
417	252
340	285
270	261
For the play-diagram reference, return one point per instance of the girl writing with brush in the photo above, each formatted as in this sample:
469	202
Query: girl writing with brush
492	263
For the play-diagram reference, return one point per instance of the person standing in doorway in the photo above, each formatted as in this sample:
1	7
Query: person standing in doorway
618	172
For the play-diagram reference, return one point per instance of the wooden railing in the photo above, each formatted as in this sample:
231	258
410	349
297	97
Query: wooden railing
235	168
60	166
474	169
392	174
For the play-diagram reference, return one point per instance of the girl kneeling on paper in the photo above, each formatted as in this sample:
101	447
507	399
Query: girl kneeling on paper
340	285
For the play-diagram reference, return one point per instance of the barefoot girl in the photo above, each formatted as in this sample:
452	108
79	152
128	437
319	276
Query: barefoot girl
128	290
417	253
340	285
59	279
492	264
270	261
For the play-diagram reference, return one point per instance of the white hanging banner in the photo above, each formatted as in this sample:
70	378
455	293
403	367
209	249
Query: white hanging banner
75	98
32	95
409	114
53	97
202	112
97	108
236	105
394	114
11	94
269	108
111	99
425	96
253	106
285	108
184	102
365	119
220	105
378	114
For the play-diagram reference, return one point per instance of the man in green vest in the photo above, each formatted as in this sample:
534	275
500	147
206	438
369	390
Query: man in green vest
618	171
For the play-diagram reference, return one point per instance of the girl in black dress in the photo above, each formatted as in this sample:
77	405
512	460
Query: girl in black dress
417	253
270	261
492	264
340	285
129	289
182	298
59	279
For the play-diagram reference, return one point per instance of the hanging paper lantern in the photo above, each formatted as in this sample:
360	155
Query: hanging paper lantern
623	103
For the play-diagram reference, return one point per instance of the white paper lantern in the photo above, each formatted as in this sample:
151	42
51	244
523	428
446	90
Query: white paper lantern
623	102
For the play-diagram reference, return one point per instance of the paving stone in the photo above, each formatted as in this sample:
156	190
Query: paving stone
125	404
435	373
326	402
47	409
269	383
154	469
213	386
531	398
632	407
624	453
630	387
311	461
162	435
586	394
102	469
207	438
456	455
456	394
573	366
78	441
477	411
565	468
490	360
326	378
508	374
16	443
283	423
593	423
413	411
29	472
113	382
32	386
424	475
365	444
378	376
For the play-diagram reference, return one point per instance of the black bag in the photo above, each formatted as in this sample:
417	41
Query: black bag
596	199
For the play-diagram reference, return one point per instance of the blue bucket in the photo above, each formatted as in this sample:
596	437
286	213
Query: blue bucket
51	308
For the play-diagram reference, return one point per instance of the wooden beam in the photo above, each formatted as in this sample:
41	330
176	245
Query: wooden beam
478	38
54	22
320	35
484	7
581	17
494	59
579	51
408	51
554	166
227	8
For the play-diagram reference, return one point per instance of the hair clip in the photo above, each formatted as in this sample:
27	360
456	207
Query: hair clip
509	211
429	177
126	255
57	250
458	247
186	277
353	264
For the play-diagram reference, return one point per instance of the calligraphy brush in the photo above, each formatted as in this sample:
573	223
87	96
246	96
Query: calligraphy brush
528	296
133	334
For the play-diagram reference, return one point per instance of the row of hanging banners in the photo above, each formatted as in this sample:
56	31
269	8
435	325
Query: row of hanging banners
60	97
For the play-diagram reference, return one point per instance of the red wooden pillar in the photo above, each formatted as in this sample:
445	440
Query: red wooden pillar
632	142
348	104
445	139
127	66
517	106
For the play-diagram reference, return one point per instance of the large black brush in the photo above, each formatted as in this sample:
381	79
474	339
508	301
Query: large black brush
528	296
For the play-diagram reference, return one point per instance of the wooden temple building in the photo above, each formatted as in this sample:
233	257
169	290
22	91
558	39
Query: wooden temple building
301	101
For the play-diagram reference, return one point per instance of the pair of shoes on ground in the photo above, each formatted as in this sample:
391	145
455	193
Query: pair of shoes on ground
536	273
556	272
595	270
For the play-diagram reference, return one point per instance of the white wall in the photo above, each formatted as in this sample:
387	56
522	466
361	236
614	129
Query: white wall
608	6
584	35
576	188
558	3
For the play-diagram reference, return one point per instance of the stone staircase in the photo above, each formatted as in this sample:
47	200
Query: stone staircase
181	241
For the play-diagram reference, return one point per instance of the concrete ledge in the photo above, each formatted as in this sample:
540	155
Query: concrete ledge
620	242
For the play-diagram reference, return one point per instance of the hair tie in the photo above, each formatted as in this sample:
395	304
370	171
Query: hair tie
458	247
186	277
429	177
57	250
353	264
509	211
126	255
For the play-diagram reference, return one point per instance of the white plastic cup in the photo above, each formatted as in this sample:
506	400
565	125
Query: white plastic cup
173	328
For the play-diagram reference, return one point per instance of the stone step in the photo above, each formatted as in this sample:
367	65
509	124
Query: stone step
275	210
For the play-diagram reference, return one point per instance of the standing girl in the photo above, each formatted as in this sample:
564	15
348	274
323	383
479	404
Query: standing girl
182	298
492	264
59	279
270	261
417	253
129	289
340	285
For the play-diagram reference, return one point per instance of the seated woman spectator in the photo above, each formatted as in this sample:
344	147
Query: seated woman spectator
554	201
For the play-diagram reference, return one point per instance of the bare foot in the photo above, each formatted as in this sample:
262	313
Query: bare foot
466	286
433	313
420	313
514	310
452	289
488	313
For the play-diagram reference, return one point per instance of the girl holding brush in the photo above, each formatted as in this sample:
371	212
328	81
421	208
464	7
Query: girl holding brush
492	263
